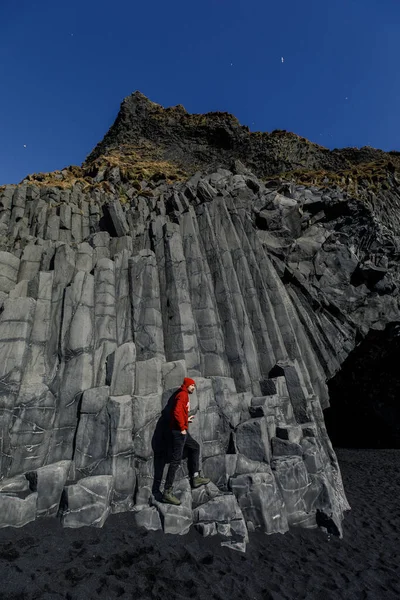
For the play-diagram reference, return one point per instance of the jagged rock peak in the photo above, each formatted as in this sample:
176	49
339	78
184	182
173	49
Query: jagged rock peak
198	141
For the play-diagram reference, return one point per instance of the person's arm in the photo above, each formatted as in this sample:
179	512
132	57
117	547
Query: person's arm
180	411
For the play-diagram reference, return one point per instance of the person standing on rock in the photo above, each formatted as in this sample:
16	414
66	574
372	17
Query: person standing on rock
183	443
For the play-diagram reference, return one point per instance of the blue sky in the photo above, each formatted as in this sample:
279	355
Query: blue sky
66	66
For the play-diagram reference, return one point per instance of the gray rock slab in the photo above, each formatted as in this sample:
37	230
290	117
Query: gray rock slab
246	465
30	262
123	298
149	518
15	328
65	216
120	451
261	501
119	244
224	529
177	519
292	478
292	433
222	509
92	442
17	512
285	448
227	399
118	219
173	374
77	324
204	493
9	267
21	290
14	485
206	529
76	376
180	337
3	297
148	379
52	227
205	313
239	530
221	270
258	407
146	412
104	317
124	370
95	399
312	455
145	409
31	429
296	392
146	305
101	239
252	440
48	482
215	432
99	253
84	257
87	502
322	505
220	468
76	226
145	479
234	545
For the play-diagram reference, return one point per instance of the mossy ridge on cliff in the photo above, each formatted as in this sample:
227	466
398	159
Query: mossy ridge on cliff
135	164
62	179
200	141
141	162
357	180
149	143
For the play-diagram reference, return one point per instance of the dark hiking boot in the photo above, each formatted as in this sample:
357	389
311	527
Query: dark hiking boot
199	480
169	498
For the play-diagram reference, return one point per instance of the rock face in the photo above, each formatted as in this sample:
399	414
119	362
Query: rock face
217	139
112	294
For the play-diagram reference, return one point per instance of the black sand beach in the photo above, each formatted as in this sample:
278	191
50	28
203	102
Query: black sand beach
45	561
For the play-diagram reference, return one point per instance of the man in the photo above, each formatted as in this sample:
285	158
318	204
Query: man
182	442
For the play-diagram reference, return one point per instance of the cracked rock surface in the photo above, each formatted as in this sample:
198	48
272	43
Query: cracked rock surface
110	296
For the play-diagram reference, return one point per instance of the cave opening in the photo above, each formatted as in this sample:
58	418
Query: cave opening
106	222
365	394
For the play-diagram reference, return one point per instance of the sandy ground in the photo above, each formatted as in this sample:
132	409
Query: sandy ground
45	561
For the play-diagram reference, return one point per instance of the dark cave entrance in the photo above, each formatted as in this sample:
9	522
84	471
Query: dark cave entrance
365	394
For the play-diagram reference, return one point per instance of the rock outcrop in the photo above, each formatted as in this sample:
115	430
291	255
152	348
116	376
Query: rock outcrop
120	278
217	139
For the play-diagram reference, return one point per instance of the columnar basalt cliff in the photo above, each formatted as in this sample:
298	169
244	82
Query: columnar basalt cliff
186	245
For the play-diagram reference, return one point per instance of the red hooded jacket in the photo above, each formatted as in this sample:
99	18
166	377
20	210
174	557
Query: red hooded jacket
180	409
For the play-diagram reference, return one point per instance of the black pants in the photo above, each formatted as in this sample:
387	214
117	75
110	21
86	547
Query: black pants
182	446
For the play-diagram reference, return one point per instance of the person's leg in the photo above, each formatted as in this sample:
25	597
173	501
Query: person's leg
192	449
178	443
159	464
